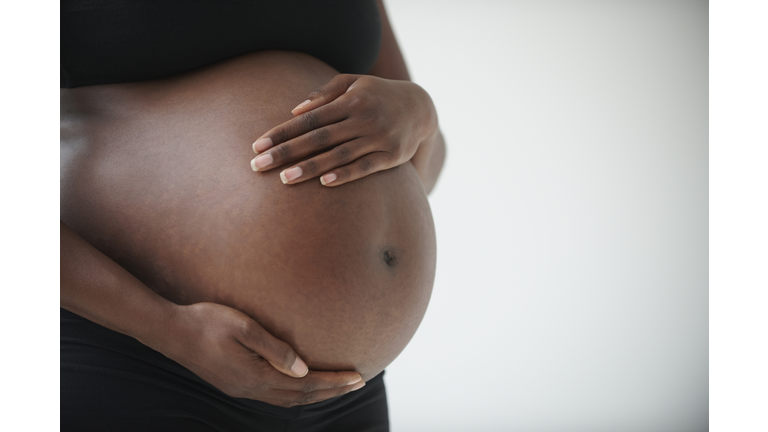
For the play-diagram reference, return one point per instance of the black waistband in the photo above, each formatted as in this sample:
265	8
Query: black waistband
81	337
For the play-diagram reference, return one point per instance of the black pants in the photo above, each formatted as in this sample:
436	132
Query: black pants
111	382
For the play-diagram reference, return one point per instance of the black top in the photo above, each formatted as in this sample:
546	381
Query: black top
114	41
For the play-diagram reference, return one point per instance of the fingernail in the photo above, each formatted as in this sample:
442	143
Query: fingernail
261	162
328	178
356	380
358	386
290	174
301	105
262	144
299	367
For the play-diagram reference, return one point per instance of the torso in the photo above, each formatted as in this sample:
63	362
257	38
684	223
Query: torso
156	175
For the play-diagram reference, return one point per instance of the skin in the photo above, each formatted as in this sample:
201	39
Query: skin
215	335
353	115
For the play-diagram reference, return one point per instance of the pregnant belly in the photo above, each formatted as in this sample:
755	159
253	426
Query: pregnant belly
156	175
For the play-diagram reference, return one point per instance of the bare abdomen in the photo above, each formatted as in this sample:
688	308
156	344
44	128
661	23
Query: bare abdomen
156	175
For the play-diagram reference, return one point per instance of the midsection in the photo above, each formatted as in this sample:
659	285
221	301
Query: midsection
156	175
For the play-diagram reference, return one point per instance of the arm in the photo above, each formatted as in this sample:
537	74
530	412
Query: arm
390	64
386	93
96	288
214	341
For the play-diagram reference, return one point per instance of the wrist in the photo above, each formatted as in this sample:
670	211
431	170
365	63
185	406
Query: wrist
161	330
429	120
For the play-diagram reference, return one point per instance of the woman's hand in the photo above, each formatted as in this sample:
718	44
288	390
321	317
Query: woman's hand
358	124
231	351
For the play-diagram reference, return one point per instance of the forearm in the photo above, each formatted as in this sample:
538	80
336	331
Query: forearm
95	287
390	64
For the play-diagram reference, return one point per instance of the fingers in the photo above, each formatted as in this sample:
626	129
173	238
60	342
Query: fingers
327	93
319	125
315	381
263	382
278	353
269	385
304	145
322	163
307	116
356	158
290	398
297	126
360	168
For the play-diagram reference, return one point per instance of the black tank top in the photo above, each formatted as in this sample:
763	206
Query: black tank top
114	41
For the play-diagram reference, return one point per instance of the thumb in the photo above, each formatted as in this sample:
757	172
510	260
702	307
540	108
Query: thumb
278	353
327	93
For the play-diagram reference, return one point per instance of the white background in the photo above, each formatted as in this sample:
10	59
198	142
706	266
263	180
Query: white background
571	215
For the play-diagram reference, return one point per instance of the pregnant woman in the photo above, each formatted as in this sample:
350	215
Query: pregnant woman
200	295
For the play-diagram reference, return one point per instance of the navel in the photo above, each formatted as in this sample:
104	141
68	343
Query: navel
388	256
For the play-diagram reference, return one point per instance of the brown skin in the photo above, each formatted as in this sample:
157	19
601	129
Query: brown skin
153	178
353	116
203	329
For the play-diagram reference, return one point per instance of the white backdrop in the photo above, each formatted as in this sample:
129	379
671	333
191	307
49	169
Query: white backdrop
572	221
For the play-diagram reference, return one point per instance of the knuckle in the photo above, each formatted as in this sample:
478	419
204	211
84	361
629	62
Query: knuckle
357	102
342	81
344	174
287	404
349	79
343	154
278	135
245	327
310	120
318	92
284	152
281	351
308	387
366	165
261	368
320	137
250	331
310	167
306	398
